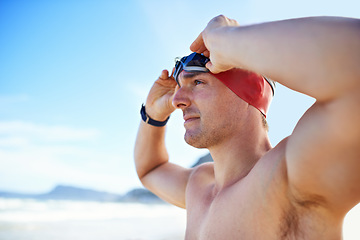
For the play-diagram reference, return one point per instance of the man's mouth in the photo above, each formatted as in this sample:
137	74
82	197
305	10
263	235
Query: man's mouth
189	119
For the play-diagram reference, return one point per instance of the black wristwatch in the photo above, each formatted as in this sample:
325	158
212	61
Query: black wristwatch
151	121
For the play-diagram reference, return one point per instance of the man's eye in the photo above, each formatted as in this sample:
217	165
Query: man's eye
197	82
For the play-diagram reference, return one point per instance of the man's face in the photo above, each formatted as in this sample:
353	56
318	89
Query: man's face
211	111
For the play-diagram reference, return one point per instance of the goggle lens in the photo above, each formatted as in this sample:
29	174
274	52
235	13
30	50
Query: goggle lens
195	62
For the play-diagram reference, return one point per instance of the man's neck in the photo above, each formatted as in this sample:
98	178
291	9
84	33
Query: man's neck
235	157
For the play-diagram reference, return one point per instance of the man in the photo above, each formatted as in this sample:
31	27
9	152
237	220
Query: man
300	189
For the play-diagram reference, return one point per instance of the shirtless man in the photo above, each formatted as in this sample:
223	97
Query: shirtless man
300	189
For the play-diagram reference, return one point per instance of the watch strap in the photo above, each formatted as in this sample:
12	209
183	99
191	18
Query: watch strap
146	118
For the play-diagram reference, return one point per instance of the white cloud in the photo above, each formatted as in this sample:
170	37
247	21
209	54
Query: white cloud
13	142
45	132
34	158
38	168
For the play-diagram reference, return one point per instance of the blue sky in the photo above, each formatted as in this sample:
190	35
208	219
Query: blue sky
73	75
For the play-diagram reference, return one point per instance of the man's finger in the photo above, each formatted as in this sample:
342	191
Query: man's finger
198	45
172	72
206	53
164	74
209	66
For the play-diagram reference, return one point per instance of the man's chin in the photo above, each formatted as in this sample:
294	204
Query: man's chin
193	141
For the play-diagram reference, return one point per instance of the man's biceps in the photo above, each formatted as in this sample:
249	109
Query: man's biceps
177	175
168	182
167	176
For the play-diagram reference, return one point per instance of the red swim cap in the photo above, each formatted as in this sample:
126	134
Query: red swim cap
249	86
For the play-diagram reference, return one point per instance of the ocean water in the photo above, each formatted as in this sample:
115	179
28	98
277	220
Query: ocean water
66	220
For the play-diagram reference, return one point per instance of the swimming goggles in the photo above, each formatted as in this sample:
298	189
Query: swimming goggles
195	62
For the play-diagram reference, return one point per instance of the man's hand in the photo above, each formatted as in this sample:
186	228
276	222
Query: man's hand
159	101
207	43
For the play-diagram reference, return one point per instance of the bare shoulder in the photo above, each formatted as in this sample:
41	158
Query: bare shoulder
201	183
203	173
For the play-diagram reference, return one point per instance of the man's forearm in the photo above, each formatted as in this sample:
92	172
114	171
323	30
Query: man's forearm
150	151
315	56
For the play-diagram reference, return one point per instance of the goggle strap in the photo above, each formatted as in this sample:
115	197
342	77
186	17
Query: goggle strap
195	69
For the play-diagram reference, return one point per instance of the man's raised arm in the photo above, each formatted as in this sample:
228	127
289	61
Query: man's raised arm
166	180
319	57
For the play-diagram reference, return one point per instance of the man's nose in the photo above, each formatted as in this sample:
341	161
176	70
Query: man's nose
181	98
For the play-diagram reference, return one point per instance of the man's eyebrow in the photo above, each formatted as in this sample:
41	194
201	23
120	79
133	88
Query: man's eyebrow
188	75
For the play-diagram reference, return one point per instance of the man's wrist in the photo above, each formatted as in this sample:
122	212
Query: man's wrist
147	119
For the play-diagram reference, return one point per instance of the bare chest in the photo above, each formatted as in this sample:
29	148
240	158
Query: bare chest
221	219
253	216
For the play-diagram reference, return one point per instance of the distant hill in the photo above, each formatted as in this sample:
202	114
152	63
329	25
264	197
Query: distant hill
62	192
141	195
74	193
204	159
